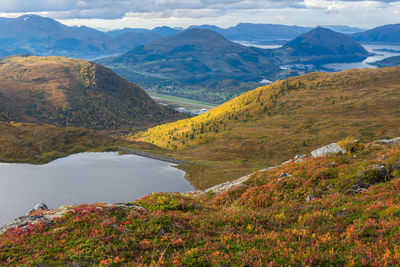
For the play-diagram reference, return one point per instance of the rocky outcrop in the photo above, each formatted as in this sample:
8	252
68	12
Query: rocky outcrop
41	214
329	150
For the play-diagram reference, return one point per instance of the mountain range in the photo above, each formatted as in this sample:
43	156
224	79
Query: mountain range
383	34
72	92
44	36
185	63
194	58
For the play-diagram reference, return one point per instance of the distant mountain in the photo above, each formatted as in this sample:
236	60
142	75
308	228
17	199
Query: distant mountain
131	40
45	36
344	29
115	33
192	57
70	92
383	34
165	30
262	32
319	46
388	62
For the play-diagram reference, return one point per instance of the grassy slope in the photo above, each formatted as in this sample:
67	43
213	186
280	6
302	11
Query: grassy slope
23	142
70	92
265	222
270	124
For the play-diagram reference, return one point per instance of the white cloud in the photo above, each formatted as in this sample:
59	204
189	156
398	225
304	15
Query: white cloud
150	13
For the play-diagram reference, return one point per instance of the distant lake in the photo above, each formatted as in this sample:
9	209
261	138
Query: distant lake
380	55
364	64
84	178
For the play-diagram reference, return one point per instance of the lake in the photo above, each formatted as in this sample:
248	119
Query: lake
84	178
364	64
372	48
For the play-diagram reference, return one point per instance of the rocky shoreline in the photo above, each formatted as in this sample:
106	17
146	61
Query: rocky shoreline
153	156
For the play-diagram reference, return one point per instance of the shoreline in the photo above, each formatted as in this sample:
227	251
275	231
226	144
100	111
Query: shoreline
153	156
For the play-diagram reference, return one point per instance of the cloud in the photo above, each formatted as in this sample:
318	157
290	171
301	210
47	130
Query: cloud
114	9
149	13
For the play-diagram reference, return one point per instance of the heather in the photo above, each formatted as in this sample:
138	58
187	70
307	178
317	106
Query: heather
332	210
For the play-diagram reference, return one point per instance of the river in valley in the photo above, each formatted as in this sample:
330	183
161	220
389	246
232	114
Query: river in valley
84	178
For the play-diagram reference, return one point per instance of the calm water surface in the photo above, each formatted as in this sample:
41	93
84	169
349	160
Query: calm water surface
84	178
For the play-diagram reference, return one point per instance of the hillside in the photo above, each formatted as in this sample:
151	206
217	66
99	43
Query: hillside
70	92
194	58
330	211
319	46
387	62
383	34
272	123
42	143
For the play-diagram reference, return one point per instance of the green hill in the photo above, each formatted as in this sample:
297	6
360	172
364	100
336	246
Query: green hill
70	92
265	126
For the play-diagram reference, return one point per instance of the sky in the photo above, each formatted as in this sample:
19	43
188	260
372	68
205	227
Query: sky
116	14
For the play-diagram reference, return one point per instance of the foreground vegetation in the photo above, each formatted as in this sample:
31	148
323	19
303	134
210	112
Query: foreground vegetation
306	213
272	123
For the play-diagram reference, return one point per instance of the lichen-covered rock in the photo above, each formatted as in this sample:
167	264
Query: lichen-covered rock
329	150
40	206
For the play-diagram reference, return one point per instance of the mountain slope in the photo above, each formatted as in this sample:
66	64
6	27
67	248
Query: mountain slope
70	92
196	55
383	34
42	143
265	126
320	46
198	64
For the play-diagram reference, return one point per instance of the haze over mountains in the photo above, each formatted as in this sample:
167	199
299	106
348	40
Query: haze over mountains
43	36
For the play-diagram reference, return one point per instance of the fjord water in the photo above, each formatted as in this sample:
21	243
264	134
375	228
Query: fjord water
84	178
378	55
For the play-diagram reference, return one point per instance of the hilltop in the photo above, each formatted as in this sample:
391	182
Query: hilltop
194	58
265	126
319	46
331	210
383	34
70	92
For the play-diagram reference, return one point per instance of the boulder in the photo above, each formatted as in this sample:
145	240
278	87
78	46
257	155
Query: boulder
40	206
329	150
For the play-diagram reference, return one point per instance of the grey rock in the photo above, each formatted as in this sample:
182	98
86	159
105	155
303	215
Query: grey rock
359	186
283	175
24	221
310	197
299	158
40	206
329	150
387	141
